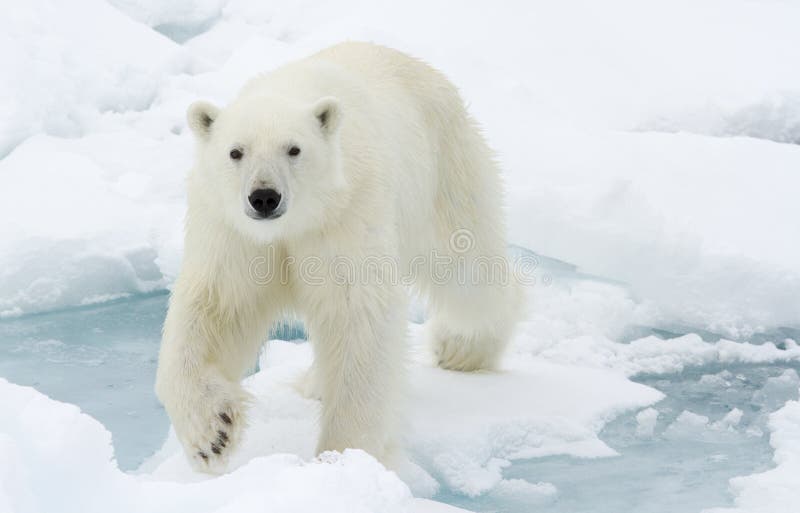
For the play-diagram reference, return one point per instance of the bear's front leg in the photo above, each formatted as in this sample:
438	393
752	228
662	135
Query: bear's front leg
200	366
359	342
207	412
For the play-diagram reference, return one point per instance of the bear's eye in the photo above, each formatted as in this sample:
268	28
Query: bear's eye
236	154
294	151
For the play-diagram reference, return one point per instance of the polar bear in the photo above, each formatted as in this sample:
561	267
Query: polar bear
324	190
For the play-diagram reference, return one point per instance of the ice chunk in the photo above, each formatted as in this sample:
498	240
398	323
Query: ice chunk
692	426
730	420
719	380
653	355
777	390
688	425
646	422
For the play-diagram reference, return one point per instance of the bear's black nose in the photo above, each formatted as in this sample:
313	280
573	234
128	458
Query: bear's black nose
264	201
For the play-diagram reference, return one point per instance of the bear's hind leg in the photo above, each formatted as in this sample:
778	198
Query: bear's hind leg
475	304
471	326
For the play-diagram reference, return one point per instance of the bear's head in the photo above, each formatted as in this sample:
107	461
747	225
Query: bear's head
269	166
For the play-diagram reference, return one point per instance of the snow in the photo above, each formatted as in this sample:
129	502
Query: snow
653	355
462	433
633	157
463	429
692	207
56	458
651	158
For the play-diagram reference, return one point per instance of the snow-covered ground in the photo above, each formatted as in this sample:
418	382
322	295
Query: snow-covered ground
651	152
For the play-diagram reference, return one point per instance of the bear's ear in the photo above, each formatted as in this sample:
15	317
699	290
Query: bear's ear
328	114
201	115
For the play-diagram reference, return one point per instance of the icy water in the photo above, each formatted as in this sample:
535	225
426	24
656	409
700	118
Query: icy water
674	458
680	463
103	359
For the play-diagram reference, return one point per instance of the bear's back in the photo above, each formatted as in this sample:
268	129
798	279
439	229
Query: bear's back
358	71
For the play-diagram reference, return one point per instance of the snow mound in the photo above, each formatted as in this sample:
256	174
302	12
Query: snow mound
73	63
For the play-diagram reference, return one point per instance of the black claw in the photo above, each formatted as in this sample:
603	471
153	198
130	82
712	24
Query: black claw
223	436
203	455
225	418
215	449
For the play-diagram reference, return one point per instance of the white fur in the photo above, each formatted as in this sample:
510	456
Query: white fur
393	170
